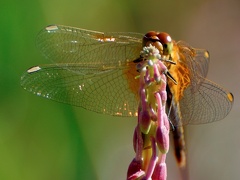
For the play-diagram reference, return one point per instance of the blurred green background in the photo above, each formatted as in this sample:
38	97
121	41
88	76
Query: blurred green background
45	140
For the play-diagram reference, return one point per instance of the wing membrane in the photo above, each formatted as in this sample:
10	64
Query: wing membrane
202	101
208	104
196	60
69	45
103	91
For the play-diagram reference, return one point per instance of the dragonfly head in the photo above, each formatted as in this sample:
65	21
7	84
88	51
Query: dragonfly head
161	40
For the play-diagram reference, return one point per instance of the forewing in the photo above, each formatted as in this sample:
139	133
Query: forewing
69	45
102	90
197	62
201	60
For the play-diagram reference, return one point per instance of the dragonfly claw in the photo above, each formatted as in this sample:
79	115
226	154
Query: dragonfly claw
167	73
169	61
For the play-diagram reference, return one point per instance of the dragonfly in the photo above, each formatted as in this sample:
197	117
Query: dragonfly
97	71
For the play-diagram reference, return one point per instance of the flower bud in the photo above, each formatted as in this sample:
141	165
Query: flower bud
135	169
160	171
156	74
137	140
162	139
144	121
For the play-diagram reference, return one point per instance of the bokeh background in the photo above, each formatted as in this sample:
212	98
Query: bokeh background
45	140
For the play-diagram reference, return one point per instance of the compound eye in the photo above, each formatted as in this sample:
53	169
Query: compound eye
151	36
166	40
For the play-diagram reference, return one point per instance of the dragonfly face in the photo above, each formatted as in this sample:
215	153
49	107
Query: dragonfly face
97	71
161	40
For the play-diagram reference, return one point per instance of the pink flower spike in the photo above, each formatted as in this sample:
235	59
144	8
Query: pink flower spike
151	136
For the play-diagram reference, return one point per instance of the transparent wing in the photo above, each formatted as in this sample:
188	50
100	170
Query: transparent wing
201	60
208	104
196	60
94	70
69	45
202	101
104	91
